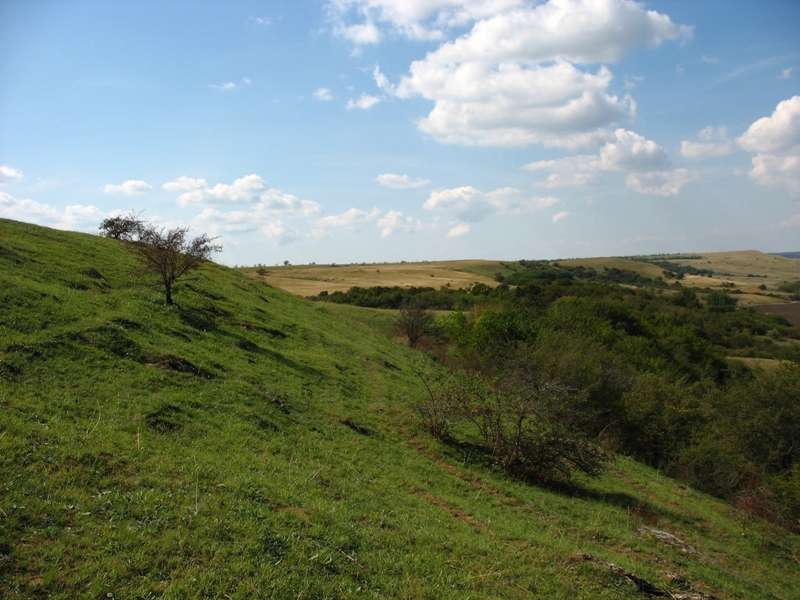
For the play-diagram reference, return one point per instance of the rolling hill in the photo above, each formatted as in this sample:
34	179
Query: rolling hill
248	443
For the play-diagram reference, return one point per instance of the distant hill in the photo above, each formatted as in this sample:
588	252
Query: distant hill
248	443
788	254
745	271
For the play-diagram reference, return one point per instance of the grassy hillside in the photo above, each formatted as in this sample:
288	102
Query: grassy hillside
246	443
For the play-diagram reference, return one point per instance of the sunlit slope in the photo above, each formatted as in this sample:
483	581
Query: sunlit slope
247	443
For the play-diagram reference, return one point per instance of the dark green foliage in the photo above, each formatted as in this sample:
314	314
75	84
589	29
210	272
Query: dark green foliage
126	227
528	428
721	301
676	270
415	322
651	379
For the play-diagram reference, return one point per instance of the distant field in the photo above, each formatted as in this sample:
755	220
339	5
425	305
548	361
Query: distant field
790	312
310	280
743	272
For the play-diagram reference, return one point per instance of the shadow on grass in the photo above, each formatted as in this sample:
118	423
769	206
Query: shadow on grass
475	454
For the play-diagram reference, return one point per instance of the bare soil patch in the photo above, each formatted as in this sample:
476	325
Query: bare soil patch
790	311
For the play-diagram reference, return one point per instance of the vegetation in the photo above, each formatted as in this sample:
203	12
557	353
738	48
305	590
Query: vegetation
166	253
415	322
636	370
249	443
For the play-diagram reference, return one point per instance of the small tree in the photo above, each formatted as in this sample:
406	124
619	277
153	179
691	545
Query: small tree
169	255
414	321
123	227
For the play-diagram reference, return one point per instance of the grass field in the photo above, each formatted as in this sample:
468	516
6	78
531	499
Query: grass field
740	271
247	443
310	280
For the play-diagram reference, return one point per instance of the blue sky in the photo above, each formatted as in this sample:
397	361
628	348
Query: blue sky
387	130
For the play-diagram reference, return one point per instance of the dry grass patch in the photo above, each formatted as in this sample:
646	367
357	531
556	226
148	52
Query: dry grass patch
310	280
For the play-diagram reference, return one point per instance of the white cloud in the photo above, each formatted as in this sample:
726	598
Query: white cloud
396	221
630	151
259	208
467	204
552	24
659	183
415	19
260	20
515	105
626	152
247	80
786	73
365	102
349	219
280	232
459	230
224	87
128	188
778	172
775	141
714	143
251	189
779	133
512	80
560	216
546	202
75	217
197	191
400	181
9	175
709	60
323	94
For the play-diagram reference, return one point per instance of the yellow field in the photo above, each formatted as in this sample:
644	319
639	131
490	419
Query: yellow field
744	271
729	268
310	280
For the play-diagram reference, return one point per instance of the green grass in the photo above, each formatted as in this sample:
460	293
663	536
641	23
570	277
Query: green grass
248	443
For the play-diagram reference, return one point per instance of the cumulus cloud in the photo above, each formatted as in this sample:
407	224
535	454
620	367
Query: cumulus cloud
9	175
469	205
512	79
775	142
646	163
128	188
560	216
459	230
349	219
714	142
778	133
251	189
395	221
359	20
365	102
659	183
75	217
323	94
400	181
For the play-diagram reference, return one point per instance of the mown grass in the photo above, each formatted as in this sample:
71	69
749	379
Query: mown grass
247	443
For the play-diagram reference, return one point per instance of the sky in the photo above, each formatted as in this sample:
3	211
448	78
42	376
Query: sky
350	131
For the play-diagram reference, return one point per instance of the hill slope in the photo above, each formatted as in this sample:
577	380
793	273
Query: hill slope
248	443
